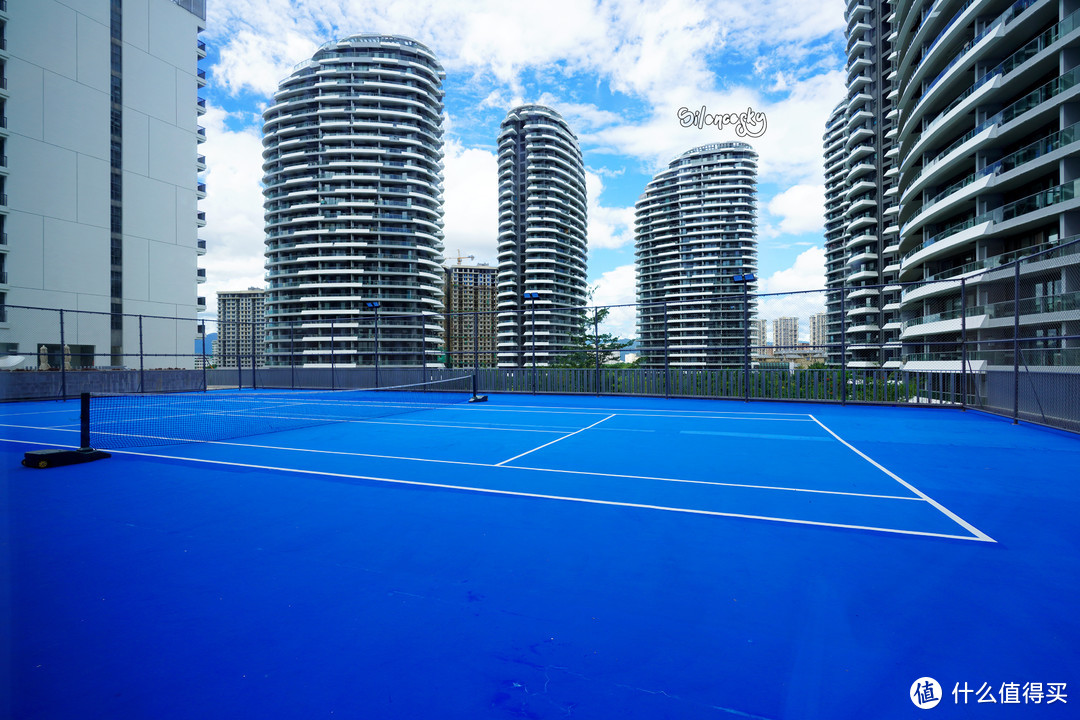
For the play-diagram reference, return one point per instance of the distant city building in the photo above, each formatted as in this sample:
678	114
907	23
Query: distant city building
352	166
241	326
695	231
819	331
542	235
99	183
469	319
759	332
786	334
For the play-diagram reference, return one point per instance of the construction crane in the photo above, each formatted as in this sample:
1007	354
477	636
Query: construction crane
461	257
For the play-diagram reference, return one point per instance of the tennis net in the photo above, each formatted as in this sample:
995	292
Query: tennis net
119	421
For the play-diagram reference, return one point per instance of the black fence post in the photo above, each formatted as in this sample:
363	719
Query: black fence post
333	385
843	348
239	357
63	365
377	346
746	340
254	385
534	346
202	353
596	333
292	355
963	345
142	365
667	359
475	342
423	348
1016	342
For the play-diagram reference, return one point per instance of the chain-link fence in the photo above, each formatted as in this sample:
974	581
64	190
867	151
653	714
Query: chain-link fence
1005	339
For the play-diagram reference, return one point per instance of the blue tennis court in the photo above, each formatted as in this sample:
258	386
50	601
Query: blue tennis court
547	557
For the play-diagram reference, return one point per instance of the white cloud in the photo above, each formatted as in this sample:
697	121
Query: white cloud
234	215
610	228
800	209
617	287
783	293
471	195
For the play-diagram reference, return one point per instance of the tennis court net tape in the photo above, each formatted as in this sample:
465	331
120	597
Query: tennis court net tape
119	421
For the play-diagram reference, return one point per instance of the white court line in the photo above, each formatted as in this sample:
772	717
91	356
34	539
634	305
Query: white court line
950	514
644	414
517	493
502	466
628	411
555	440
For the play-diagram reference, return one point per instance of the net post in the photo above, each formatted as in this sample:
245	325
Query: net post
84	421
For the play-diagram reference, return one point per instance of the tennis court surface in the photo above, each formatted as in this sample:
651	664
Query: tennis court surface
539	557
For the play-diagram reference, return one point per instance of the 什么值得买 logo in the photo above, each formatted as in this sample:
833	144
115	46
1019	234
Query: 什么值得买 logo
747	123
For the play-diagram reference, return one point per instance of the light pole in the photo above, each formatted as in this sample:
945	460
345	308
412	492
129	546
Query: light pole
745	279
375	306
533	296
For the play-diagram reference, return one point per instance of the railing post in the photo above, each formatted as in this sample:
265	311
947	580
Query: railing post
202	354
292	355
333	385
1016	342
475	342
423	348
239	358
377	345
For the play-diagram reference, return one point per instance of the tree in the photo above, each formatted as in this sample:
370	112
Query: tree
585	342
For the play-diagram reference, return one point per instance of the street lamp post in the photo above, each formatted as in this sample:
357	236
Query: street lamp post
745	280
375	306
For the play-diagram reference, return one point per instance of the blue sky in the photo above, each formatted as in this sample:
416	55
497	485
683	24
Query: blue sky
618	71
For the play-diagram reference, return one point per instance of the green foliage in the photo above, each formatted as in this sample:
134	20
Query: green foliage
585	343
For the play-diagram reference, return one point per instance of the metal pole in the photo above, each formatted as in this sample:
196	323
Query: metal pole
202	355
292	356
534	345
746	341
667	364
963	345
843	348
253	383
142	369
423	347
63	365
332	384
475	342
1016	342
239	359
377	346
596	333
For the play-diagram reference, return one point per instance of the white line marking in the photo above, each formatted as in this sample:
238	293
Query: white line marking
631	413
950	514
627	411
555	440
517	493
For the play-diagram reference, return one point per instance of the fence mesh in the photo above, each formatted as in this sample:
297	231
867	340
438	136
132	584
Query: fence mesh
1004	338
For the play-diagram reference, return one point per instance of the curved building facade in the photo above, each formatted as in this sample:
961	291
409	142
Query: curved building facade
989	167
352	166
542	236
696	229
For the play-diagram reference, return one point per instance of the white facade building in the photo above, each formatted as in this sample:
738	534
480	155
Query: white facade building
241	317
353	205
542	235
98	202
696	230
